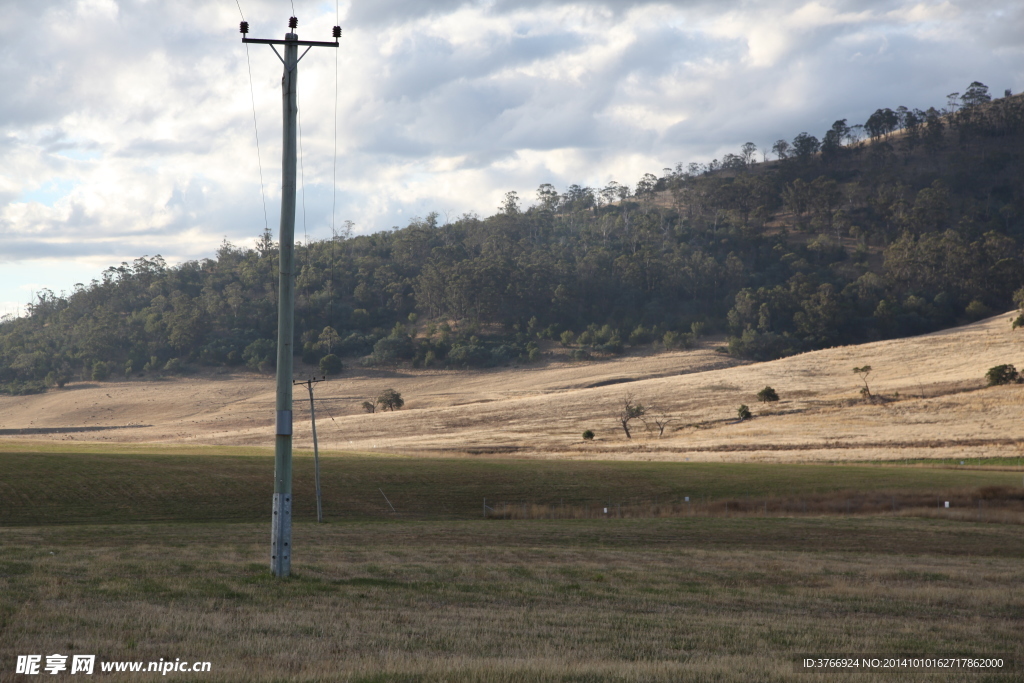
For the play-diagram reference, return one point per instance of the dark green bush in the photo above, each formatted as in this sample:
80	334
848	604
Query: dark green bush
331	364
1002	374
100	371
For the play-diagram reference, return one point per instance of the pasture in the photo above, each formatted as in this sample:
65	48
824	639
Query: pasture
138	556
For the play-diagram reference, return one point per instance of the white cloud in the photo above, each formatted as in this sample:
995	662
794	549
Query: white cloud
126	127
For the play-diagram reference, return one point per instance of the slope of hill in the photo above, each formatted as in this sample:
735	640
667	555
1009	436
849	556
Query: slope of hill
932	403
842	241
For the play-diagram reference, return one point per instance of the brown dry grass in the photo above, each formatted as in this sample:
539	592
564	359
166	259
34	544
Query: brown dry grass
934	407
623	600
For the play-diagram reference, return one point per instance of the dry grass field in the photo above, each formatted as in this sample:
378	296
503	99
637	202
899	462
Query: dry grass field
583	601
934	406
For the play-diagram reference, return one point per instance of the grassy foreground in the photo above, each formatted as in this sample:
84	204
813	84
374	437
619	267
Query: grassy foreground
137	557
90	487
553	600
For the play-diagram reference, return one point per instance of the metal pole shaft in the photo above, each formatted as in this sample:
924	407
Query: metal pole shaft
316	454
281	529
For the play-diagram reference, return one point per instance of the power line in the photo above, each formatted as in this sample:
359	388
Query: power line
302	183
334	183
252	97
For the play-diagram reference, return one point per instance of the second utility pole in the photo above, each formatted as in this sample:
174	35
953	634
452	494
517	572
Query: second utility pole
316	446
281	520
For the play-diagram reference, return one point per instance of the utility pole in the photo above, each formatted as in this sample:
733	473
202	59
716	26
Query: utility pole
316	447
281	520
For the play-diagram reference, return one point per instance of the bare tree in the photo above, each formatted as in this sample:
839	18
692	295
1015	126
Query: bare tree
630	410
660	419
864	372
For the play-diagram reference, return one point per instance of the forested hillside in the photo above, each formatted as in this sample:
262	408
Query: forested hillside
907	223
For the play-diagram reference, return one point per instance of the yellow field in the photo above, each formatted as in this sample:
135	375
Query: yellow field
935	406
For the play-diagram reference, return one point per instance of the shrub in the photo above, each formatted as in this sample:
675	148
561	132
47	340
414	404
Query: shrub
100	371
588	435
58	379
471	356
331	364
567	338
503	354
357	344
744	413
612	346
580	354
173	366
310	353
261	355
763	346
977	310
677	340
393	348
534	355
767	395
640	335
1002	374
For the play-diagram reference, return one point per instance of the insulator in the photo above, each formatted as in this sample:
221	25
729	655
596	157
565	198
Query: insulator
336	32
243	28
293	22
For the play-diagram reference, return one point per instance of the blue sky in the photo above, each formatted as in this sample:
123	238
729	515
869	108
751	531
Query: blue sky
126	127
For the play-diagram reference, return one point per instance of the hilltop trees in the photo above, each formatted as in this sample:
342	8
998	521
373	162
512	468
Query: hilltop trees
838	241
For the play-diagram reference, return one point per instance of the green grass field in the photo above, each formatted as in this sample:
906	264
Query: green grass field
135	556
90	487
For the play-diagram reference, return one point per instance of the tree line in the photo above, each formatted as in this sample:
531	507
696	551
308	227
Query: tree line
907	223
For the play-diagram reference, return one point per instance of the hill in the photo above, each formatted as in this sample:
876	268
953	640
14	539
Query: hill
930	402
838	241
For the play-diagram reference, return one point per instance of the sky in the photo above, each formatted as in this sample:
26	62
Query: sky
127	126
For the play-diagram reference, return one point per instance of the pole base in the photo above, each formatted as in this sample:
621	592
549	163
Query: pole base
281	536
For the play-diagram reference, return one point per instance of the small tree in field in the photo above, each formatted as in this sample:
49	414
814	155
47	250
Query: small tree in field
369	406
660	419
390	399
744	413
629	411
588	435
767	395
1002	374
864	372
